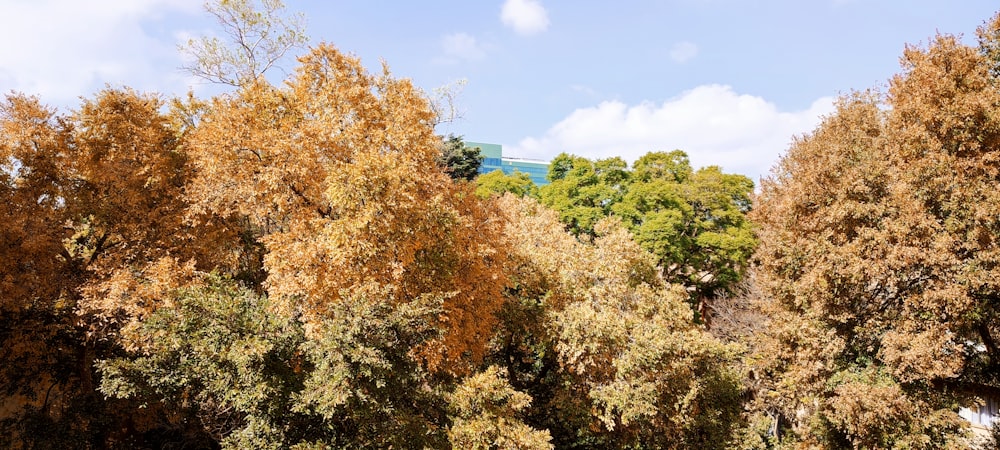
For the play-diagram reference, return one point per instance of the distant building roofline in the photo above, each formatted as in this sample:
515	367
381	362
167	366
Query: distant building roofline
531	160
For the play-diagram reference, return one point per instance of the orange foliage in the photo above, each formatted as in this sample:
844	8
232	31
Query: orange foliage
31	154
337	170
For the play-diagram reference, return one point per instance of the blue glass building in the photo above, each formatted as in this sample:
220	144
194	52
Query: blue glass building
494	160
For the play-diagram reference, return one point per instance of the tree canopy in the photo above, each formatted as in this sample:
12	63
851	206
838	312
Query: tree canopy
879	257
301	265
693	221
289	266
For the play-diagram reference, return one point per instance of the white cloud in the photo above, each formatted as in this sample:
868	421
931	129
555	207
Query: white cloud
714	125
682	52
62	49
526	17
462	46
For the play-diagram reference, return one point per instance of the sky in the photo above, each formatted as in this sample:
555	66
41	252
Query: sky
730	82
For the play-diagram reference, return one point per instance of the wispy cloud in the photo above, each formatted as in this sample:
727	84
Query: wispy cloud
61	49
462	46
526	17
584	89
683	52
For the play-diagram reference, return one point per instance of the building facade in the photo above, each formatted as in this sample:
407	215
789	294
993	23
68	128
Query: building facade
494	160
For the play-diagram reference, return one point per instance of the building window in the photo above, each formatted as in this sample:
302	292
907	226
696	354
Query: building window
984	414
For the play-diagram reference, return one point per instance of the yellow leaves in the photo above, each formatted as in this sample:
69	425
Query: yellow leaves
626	339
33	146
486	412
127	297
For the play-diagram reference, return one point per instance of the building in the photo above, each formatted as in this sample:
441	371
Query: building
984	413
494	160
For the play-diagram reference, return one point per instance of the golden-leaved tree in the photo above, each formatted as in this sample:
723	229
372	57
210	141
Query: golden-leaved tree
352	279
336	172
36	303
94	201
879	256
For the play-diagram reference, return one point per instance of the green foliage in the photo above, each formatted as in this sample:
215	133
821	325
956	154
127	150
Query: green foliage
582	191
693	221
365	384
499	183
218	358
221	359
460	161
671	166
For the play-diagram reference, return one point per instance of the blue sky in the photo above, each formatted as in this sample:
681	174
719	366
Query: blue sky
729	81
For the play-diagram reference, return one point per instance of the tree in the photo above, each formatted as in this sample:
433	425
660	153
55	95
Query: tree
499	183
460	161
222	365
693	221
616	360
100	192
260	35
338	173
382	278
879	258
582	191
42	378
230	370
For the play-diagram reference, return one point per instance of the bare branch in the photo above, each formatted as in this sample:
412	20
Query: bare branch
260	34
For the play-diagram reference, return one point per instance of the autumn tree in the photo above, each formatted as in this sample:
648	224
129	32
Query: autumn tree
338	172
381	278
32	156
100	192
39	336
879	258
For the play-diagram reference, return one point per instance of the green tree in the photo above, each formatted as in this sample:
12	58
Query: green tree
460	161
499	183
224	367
583	191
693	221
